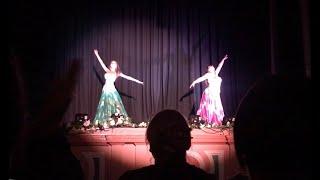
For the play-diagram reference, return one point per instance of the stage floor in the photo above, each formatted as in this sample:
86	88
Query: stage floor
137	135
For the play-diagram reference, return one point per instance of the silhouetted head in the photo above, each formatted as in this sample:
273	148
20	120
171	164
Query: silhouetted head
272	129
168	132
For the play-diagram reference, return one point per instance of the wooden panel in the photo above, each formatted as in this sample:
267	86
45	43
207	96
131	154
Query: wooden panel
107	154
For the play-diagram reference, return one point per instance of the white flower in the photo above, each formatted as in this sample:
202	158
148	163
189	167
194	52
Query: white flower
120	121
105	125
142	124
86	123
112	123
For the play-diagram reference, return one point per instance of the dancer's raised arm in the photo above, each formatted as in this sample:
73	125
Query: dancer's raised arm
100	61
130	78
200	79
221	64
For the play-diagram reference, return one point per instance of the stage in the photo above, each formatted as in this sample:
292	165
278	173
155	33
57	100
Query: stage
107	154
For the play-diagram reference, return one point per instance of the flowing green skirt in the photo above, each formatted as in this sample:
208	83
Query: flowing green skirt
110	103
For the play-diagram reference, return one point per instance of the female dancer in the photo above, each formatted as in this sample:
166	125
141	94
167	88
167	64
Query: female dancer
110	101
211	109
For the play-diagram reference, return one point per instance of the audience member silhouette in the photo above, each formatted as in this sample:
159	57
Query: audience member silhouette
40	149
272	131
169	138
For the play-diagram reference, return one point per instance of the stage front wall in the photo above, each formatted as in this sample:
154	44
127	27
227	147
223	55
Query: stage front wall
107	154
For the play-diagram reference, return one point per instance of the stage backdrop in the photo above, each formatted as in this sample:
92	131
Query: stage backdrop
166	45
166	48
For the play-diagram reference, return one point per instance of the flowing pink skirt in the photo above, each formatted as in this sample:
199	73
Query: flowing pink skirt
211	109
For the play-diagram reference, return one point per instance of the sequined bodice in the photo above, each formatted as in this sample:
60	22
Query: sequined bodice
110	78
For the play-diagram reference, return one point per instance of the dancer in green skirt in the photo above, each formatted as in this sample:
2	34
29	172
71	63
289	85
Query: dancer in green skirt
110	101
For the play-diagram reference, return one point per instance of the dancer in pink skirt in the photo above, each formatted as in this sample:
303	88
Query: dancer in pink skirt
211	109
